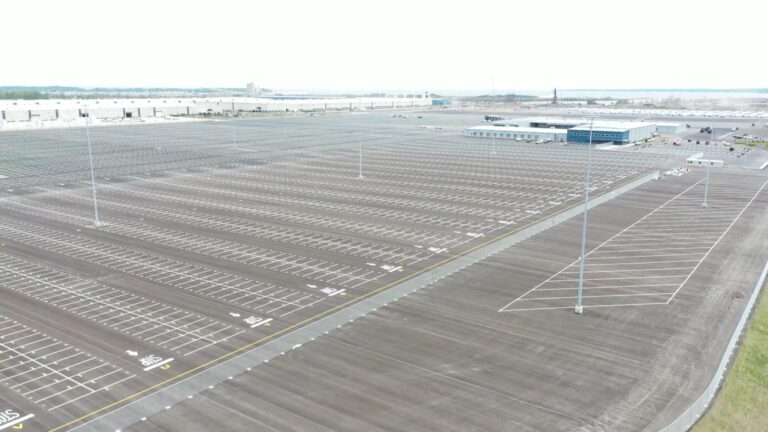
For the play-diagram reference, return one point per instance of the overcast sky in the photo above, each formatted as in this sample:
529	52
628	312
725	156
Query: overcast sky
384	45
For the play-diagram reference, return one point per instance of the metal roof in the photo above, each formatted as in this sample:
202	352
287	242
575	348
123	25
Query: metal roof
550	120
518	129
614	126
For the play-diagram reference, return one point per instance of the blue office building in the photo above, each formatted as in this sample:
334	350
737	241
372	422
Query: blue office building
554	129
612	132
442	102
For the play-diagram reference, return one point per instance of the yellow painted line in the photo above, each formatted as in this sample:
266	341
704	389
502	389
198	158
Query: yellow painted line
18	423
319	315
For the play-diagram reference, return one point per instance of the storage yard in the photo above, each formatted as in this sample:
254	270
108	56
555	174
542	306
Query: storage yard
224	246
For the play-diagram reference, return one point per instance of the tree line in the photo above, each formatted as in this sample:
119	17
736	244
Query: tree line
22	94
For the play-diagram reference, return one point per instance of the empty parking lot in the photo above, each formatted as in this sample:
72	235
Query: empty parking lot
207	244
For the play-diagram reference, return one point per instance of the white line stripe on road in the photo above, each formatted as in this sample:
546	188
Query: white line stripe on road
17	421
157	365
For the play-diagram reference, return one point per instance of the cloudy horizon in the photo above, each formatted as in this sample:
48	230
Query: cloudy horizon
348	46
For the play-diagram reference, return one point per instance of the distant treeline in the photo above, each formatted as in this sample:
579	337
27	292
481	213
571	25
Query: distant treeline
22	94
62	92
681	90
500	98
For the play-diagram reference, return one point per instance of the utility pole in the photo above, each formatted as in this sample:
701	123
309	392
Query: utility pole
579	305
96	221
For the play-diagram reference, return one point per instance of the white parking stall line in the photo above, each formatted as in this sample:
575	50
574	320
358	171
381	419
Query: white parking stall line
107	387
590	306
53	372
718	240
158	364
597	296
608	287
617	271
203	279
705	240
218	341
639	263
237	226
600	258
198	337
666	248
640	254
147	318
19	420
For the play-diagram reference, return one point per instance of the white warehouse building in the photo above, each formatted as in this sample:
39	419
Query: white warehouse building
669	127
517	133
53	110
616	132
543	122
575	130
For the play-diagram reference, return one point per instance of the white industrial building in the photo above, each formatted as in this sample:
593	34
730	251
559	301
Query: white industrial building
543	122
559	129
517	133
52	110
616	132
697	159
574	122
669	127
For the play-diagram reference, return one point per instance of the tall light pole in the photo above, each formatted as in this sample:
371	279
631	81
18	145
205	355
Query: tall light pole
234	128
493	100
744	156
96	222
493	140
579	306
706	182
360	156
706	185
